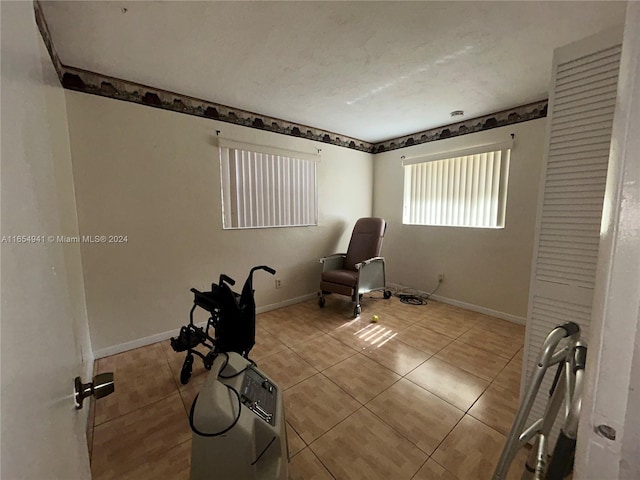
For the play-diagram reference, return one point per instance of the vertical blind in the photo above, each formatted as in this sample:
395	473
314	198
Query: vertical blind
467	189
262	187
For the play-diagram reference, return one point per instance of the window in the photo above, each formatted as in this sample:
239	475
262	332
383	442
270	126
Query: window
467	188
266	187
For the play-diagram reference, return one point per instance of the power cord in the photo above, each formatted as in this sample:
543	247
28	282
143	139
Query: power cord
416	298
221	432
235	421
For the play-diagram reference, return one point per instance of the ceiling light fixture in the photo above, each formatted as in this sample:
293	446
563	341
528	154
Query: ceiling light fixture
457	113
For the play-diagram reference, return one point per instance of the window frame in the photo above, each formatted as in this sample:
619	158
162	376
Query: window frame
453	185
275	186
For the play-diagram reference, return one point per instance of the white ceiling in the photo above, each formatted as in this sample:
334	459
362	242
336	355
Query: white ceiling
369	70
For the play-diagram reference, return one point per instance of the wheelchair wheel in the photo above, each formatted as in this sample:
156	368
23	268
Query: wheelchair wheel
387	294
187	368
208	360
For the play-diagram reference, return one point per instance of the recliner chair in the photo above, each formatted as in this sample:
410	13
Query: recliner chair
361	269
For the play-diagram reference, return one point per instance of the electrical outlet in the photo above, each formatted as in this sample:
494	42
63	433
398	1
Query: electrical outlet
440	277
278	283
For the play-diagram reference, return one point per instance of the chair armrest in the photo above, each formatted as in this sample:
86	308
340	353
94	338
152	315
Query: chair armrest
368	261
371	275
333	262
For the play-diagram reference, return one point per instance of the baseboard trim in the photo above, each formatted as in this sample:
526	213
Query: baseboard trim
286	303
469	306
160	337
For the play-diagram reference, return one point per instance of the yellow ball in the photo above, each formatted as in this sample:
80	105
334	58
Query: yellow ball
374	319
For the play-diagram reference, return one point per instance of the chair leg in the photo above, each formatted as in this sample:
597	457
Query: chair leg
322	298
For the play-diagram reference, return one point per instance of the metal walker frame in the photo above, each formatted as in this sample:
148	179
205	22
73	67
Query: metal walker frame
567	385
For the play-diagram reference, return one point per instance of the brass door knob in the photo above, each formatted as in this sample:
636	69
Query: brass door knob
101	386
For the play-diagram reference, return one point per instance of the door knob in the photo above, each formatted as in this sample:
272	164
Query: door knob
101	386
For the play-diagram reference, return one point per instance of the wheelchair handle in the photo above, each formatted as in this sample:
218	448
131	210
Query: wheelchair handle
265	268
225	278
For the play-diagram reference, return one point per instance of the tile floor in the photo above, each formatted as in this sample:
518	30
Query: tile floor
427	392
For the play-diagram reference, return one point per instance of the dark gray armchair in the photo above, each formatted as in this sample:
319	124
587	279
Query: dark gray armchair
361	269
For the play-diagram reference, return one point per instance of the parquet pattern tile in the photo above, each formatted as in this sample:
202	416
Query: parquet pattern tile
364	447
425	393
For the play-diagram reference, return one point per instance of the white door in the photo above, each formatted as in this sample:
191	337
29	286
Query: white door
43	435
581	112
613	364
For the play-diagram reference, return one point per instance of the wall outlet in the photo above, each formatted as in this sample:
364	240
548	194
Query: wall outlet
278	283
440	277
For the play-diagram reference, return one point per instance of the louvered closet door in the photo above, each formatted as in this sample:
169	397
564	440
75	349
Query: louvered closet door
581	106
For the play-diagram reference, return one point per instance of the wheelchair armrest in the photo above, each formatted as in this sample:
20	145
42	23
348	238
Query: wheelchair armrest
333	262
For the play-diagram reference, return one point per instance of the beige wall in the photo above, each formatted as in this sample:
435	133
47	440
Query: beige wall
44	326
485	268
153	175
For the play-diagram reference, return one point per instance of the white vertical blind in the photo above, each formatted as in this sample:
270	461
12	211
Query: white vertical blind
264	189
463	191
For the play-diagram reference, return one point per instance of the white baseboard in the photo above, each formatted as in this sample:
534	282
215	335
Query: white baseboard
160	337
286	303
469	306
133	344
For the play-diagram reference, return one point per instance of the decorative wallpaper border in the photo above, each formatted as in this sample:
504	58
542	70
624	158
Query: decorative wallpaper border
511	116
85	81
97	84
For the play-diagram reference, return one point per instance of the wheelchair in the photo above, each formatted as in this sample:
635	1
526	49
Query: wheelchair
231	326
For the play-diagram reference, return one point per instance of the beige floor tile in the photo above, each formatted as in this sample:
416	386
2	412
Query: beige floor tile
306	466
361	377
448	323
433	471
141	436
188	395
286	368
497	408
266	345
323	352
471	450
429	341
450	383
518	356
420	416
509	377
328	322
148	435
499	326
359	333
396	356
315	405
396	320
294	442
294	331
474	360
364	447
496	343
174	464
142	377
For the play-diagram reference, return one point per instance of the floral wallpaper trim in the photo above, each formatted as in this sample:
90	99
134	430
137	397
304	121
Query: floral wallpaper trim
510	116
97	84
